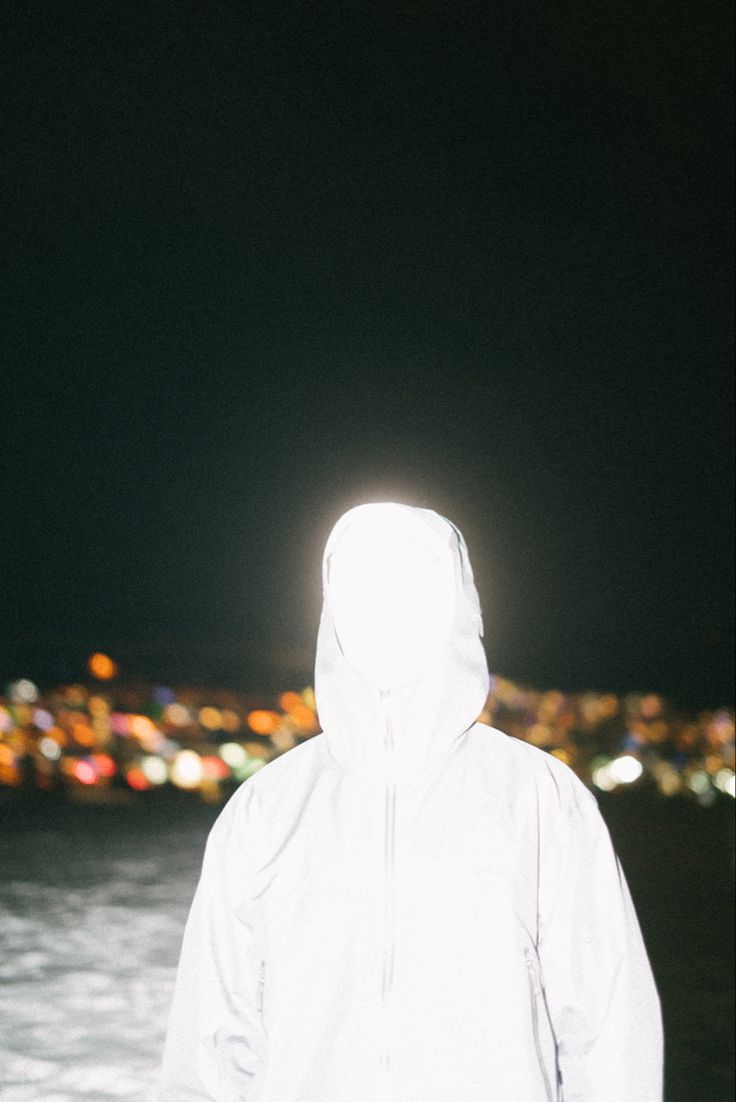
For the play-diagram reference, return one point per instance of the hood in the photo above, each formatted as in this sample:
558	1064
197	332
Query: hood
400	670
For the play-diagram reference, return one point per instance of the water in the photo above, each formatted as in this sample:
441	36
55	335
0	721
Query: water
93	903
92	909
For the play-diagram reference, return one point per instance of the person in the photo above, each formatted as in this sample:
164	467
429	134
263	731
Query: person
410	906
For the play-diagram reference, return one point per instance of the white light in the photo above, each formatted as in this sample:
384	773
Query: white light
155	769
602	778
186	771
49	748
725	779
23	691
233	754
699	782
43	719
625	769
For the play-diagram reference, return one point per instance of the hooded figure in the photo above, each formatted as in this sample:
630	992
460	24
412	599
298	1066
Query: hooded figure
410	906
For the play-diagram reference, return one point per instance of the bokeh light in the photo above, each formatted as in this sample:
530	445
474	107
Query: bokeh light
102	666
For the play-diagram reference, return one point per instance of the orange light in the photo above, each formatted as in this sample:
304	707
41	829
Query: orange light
230	720
288	702
255	750
98	706
211	718
562	754
303	717
137	779
263	722
57	735
101	666
83	734
142	727
105	764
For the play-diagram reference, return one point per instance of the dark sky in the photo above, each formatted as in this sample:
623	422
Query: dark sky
263	262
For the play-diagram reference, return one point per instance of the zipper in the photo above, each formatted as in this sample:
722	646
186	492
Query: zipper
261	986
389	857
536	996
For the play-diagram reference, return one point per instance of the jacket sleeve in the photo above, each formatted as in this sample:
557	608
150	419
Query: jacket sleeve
212	1043
601	996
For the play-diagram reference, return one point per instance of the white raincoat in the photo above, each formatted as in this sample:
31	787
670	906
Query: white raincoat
411	906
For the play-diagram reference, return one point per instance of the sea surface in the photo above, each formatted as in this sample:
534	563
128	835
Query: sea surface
93	902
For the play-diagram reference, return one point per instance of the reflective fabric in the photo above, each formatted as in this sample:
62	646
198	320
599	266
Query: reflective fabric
411	906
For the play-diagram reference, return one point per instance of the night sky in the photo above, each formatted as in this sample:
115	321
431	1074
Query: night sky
263	262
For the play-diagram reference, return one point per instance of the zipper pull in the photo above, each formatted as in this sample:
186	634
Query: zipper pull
261	985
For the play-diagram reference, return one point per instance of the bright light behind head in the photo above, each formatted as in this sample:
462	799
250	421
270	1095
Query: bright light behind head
391	593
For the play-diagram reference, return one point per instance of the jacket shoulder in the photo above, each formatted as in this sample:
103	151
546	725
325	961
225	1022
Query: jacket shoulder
525	764
294	765
290	772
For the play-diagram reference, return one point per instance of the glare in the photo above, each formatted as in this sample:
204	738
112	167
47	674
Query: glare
562	755
214	768
602	778
102	666
120	723
177	715
309	698
23	691
141	726
137	779
186	770
288	701
283	739
725	780
168	748
83	734
625	769
162	694
302	716
650	706
379	571
155	769
233	753
230	720
252	766
667	778
263	722
699	782
105	765
85	771
211	718
98	706
147	733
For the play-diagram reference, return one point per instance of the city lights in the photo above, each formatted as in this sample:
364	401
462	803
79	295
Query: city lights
102	666
140	740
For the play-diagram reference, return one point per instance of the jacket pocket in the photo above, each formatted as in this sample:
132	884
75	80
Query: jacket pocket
535	995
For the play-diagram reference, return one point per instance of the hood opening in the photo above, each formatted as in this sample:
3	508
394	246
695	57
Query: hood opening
391	592
399	638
